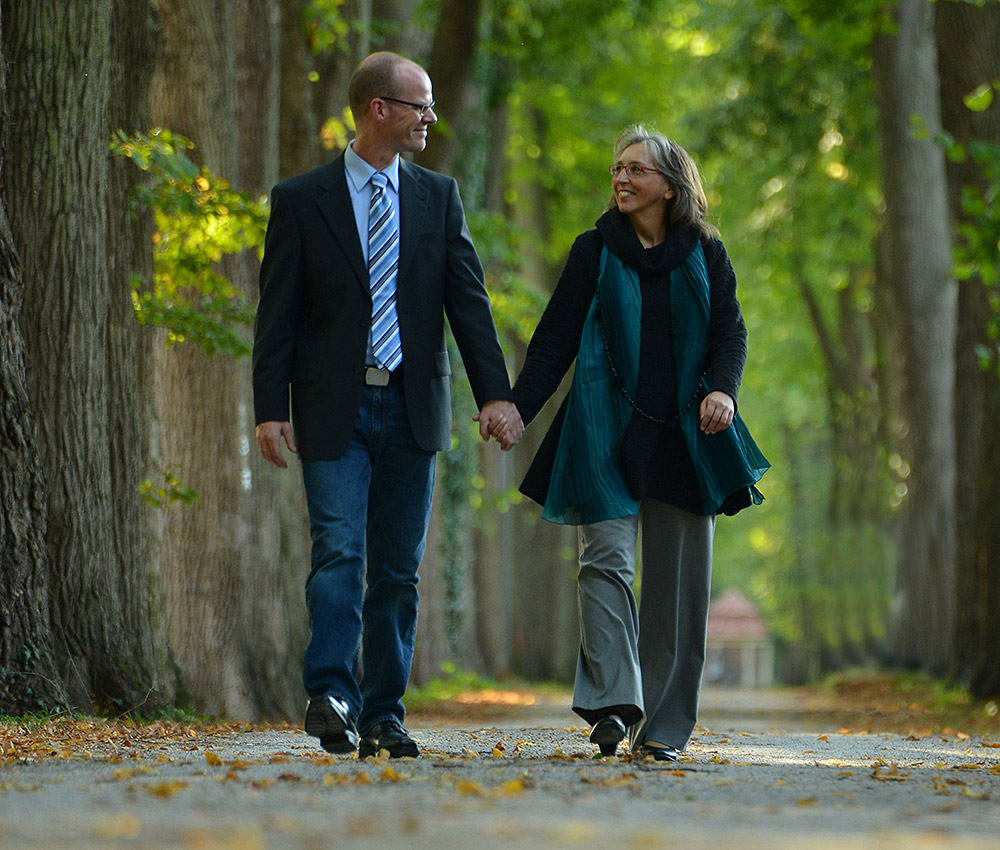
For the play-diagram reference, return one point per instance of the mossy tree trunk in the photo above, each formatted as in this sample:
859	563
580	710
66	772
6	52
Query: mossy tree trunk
918	275
85	354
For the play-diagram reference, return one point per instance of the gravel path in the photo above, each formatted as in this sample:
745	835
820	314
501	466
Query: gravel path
759	774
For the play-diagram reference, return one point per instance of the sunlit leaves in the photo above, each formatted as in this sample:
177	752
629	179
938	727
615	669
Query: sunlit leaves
171	490
517	302
334	134
980	99
326	27
200	220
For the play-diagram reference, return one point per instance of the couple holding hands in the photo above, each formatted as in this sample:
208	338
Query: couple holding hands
363	259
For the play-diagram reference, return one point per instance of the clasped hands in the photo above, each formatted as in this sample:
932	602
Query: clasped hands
500	420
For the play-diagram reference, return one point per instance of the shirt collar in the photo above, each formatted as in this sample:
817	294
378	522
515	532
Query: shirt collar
360	172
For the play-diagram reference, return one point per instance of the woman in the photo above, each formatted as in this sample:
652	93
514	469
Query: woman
647	437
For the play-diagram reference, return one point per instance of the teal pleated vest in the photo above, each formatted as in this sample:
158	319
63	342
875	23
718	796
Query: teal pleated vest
587	485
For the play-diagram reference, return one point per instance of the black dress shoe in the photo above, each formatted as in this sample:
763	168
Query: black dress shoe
658	753
608	733
388	735
329	719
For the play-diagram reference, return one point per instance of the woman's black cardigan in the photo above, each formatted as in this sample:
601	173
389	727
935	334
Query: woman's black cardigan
655	460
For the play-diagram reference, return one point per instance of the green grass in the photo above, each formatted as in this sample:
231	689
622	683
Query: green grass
441	692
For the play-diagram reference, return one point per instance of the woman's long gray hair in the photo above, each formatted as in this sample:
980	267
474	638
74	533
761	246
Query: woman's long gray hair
689	204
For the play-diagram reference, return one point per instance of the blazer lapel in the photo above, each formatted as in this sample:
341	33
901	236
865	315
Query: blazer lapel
412	203
334	202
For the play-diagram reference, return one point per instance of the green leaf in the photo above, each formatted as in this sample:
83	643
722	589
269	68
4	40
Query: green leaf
199	220
980	99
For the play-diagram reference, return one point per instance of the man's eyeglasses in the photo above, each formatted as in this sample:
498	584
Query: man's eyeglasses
422	108
632	169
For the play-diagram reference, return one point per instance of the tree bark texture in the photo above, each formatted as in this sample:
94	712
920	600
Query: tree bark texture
967	39
307	104
918	273
132	413
545	628
61	59
234	610
27	674
450	70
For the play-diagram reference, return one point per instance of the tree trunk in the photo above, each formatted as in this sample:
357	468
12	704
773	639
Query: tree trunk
283	522
399	35
855	564
130	347
450	70
919	274
299	141
27	680
233	621
75	325
545	640
967	38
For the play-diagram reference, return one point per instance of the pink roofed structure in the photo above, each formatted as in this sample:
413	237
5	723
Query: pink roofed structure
739	651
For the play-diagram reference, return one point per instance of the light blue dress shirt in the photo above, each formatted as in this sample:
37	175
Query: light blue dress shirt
359	176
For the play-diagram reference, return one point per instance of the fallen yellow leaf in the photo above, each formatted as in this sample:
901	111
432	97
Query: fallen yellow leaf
165	789
390	775
469	786
975	795
890	773
212	759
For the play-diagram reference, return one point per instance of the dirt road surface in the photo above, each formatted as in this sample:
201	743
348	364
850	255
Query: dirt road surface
765	770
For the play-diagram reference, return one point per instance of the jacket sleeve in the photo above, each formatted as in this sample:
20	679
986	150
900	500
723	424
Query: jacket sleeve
556	340
277	312
727	335
467	306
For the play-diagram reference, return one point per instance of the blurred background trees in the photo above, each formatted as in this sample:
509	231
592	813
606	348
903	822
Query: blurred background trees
851	159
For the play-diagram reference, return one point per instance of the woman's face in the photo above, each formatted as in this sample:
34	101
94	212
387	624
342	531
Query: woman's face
644	192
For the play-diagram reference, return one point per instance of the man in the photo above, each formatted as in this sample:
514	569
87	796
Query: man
363	258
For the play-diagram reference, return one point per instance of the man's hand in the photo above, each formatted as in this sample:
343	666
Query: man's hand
717	411
501	420
269	436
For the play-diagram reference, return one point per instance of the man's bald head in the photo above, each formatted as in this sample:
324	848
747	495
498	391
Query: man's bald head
376	76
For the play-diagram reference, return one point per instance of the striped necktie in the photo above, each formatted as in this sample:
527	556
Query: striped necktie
383	261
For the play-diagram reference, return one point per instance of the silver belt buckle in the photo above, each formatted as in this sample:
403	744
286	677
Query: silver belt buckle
375	377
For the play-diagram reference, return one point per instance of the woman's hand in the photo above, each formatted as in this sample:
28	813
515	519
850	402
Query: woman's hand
717	411
502	421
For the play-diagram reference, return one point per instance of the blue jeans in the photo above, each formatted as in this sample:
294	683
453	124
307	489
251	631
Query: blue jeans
368	515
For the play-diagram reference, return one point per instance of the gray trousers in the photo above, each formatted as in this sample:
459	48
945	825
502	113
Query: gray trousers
646	661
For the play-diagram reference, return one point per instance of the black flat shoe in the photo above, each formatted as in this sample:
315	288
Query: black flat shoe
658	753
329	719
388	735
608	733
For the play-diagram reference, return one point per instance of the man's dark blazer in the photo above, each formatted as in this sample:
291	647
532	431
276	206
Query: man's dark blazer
315	309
